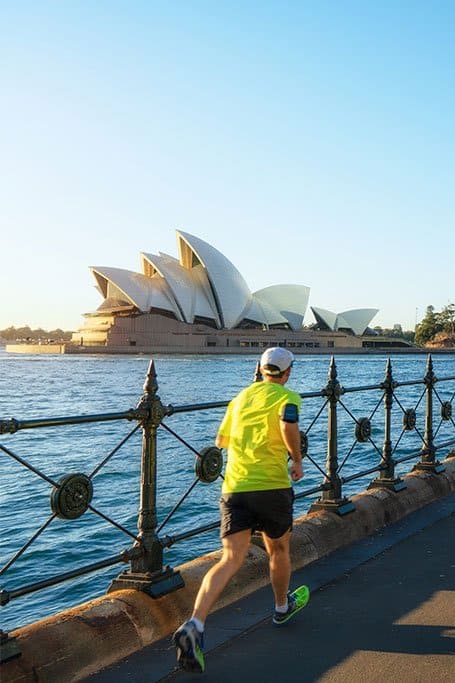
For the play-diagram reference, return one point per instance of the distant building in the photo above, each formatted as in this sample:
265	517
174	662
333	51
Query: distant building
200	302
202	286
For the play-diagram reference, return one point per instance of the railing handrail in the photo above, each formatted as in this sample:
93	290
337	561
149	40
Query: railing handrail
11	425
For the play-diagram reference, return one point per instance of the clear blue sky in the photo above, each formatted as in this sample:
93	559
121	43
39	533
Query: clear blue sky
311	142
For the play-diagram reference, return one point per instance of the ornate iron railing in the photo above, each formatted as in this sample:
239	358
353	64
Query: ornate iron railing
71	494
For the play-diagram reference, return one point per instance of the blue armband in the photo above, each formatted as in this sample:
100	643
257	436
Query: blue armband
290	413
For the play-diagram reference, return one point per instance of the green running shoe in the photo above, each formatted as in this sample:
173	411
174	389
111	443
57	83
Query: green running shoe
296	601
189	643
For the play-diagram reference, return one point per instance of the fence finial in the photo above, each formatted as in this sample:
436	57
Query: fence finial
151	383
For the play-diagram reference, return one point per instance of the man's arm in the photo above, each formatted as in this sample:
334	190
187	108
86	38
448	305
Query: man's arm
291	437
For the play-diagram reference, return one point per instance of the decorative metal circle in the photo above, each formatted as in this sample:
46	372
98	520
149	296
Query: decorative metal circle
209	464
409	419
363	429
303	444
72	496
446	410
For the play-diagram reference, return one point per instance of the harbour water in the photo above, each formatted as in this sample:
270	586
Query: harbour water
61	385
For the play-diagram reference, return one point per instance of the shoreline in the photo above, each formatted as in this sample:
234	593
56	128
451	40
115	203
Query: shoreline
71	349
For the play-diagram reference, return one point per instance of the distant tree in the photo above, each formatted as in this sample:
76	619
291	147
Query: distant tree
397	331
409	335
25	333
59	334
9	333
447	318
429	327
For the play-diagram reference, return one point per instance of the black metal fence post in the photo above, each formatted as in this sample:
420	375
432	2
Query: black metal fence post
387	477
152	559
332	498
428	461
147	573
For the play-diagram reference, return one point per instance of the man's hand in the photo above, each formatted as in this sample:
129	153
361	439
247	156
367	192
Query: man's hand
296	471
221	441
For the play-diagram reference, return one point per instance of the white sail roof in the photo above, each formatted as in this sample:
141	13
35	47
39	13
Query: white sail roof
143	292
262	312
356	319
230	291
328	318
290	301
203	285
184	285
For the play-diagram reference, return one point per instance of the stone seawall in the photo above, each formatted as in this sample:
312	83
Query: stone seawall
71	645
211	350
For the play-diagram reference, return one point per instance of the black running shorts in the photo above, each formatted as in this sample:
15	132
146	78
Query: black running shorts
267	511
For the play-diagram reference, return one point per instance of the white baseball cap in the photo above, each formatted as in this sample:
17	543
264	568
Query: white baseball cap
281	358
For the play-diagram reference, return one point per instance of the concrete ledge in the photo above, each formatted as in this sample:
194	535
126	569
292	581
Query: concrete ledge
35	348
73	644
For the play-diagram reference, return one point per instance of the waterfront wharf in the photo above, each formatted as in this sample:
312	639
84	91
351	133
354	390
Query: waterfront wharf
381	609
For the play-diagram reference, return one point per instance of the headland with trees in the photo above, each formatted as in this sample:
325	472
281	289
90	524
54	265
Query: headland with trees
437	329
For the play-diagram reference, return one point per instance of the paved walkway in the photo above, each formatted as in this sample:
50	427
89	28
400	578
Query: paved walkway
381	610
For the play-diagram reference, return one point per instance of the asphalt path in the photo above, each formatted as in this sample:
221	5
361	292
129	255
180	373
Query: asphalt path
382	609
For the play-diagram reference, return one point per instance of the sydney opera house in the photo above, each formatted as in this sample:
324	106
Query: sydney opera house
199	302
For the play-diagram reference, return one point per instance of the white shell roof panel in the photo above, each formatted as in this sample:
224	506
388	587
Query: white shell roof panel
358	319
204	303
262	312
142	291
329	317
179	281
230	289
290	301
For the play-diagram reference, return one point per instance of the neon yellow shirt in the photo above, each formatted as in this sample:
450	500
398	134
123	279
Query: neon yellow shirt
257	456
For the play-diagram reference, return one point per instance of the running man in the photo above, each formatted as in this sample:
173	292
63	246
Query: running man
260	431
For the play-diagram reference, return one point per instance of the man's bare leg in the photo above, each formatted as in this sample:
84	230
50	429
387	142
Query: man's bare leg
235	548
280	565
